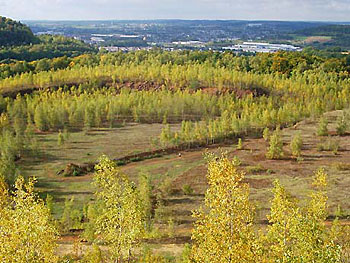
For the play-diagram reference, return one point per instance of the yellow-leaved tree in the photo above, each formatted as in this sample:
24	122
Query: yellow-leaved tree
298	233
224	231
27	231
120	223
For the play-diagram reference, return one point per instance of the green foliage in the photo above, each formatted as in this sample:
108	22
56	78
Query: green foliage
60	138
49	202
148	256
40	118
187	189
296	145
91	214
300	234
275	149
93	255
120	224
145	191
236	161
342	125
330	144
71	218
15	33
266	134
166	186
322	129
240	144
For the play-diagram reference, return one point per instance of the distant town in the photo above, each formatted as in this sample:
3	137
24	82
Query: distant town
235	36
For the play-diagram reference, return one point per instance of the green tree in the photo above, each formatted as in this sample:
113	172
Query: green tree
40	118
275	149
60	138
322	129
145	190
296	144
240	144
342	125
120	223
266	134
299	234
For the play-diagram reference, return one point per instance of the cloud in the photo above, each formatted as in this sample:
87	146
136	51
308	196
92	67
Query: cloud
336	10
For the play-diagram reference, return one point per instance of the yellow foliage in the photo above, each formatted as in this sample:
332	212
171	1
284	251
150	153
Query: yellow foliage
224	228
120	223
27	234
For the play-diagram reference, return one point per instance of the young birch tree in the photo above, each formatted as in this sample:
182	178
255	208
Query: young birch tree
27	231
299	234
120	222
223	231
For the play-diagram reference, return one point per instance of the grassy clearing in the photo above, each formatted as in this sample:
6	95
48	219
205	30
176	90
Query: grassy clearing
189	170
83	148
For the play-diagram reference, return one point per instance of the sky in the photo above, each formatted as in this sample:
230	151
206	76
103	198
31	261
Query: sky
301	10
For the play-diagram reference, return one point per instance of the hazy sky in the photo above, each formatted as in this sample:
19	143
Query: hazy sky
326	10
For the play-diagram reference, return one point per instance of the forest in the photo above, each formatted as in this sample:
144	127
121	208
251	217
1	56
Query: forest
184	156
13	33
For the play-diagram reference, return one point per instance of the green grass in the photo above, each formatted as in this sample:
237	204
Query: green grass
83	148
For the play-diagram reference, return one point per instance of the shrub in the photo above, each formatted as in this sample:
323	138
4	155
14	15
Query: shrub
236	161
165	186
240	144
255	169
296	145
322	129
341	126
266	134
329	145
342	166
187	189
275	150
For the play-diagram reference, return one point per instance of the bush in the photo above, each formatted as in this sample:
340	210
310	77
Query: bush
322	129
187	189
296	145
275	150
236	161
342	166
240	144
165	186
341	126
329	145
255	169
266	134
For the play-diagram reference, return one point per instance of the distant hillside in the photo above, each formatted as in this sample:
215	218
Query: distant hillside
14	33
339	35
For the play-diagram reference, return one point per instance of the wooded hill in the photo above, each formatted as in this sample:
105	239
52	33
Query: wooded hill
14	33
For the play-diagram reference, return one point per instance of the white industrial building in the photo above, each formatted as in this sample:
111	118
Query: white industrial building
255	47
